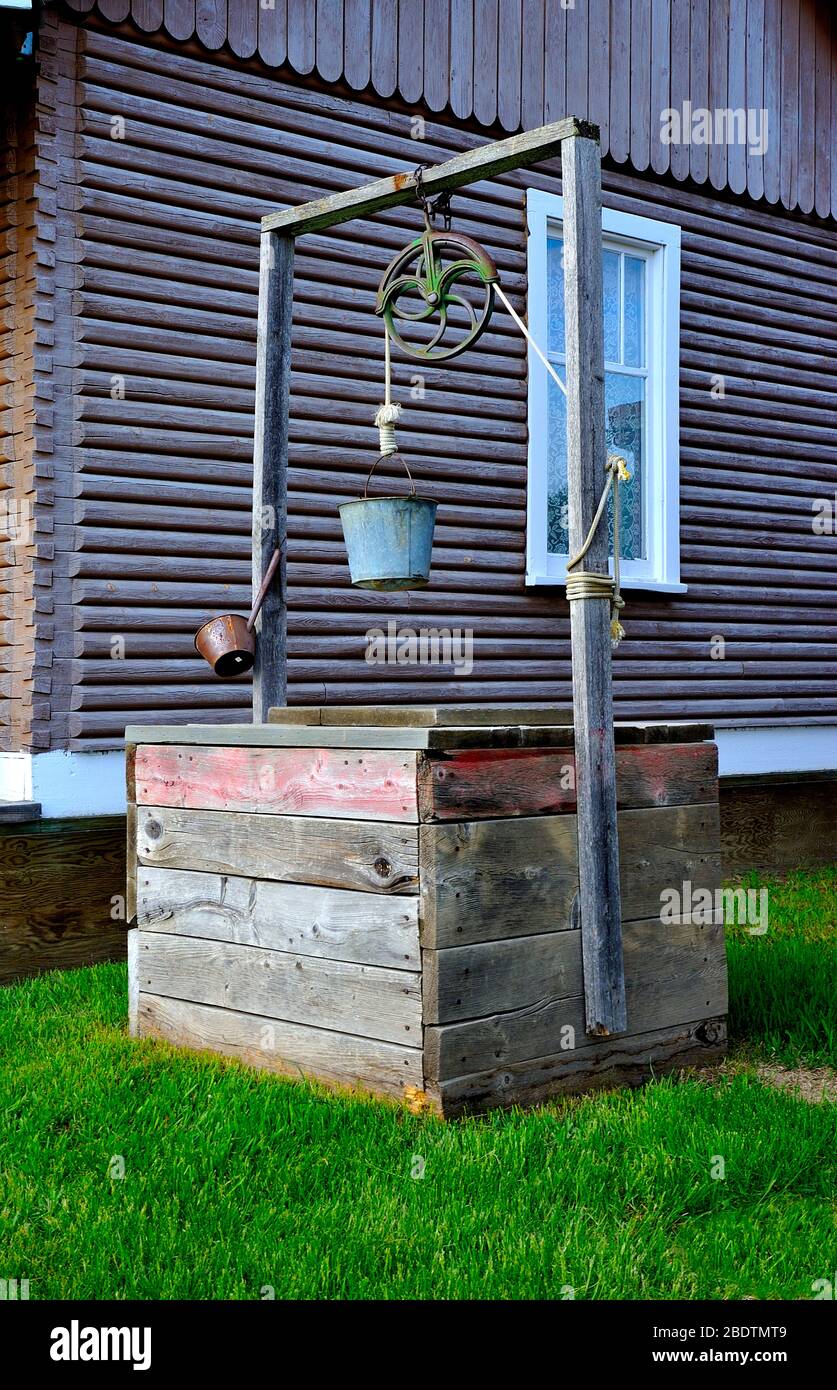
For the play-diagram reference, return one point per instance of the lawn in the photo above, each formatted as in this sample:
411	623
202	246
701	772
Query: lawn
129	1170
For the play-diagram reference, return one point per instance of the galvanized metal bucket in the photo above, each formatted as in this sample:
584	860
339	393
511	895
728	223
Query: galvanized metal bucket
389	540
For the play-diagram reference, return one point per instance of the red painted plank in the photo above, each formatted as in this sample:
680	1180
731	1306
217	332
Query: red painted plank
367	785
488	783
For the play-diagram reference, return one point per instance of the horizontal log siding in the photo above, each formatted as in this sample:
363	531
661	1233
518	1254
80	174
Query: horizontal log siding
165	298
618	62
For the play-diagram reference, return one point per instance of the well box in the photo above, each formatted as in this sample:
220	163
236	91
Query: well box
387	899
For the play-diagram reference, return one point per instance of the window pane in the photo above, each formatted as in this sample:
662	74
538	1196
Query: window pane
625	422
634	311
610	297
555	294
556	504
624	413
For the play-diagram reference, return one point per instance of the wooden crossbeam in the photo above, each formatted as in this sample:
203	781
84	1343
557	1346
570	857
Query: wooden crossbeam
484	162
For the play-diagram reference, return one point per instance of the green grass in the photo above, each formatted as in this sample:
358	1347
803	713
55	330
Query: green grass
235	1181
783	985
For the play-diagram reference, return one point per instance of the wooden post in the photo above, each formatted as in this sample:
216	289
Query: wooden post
595	759
270	467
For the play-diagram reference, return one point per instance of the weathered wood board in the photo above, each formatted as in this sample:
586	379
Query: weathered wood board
367	1000
361	736
421	716
627	1060
404	915
673	974
360	785
374	857
62	895
492	879
292	1049
301	918
541	781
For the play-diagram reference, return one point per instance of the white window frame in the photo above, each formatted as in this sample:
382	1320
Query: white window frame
659	245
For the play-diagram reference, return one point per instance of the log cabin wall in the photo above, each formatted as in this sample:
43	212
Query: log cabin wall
169	160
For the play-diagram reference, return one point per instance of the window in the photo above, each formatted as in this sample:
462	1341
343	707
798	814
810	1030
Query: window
641	303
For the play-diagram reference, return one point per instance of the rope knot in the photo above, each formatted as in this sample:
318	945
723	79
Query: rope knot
385	421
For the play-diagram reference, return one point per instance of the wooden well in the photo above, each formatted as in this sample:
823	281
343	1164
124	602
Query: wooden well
392	905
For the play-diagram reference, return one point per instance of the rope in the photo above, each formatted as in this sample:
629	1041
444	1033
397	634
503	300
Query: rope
389	412
585	583
527	335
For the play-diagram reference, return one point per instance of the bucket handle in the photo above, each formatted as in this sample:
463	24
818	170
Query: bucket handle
375	465
264	586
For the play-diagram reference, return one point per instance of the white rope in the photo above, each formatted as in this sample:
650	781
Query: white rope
527	335
388	414
584	583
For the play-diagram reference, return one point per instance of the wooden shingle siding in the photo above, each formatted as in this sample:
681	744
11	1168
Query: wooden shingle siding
517	63
165	297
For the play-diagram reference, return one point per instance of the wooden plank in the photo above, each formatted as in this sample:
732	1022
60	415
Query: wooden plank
514	736
598	847
484	162
59	880
777	827
541	781
421	716
270	467
628	1060
133	981
301	918
292	1049
492	879
373	857
131	862
510	999
366	1000
368	785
